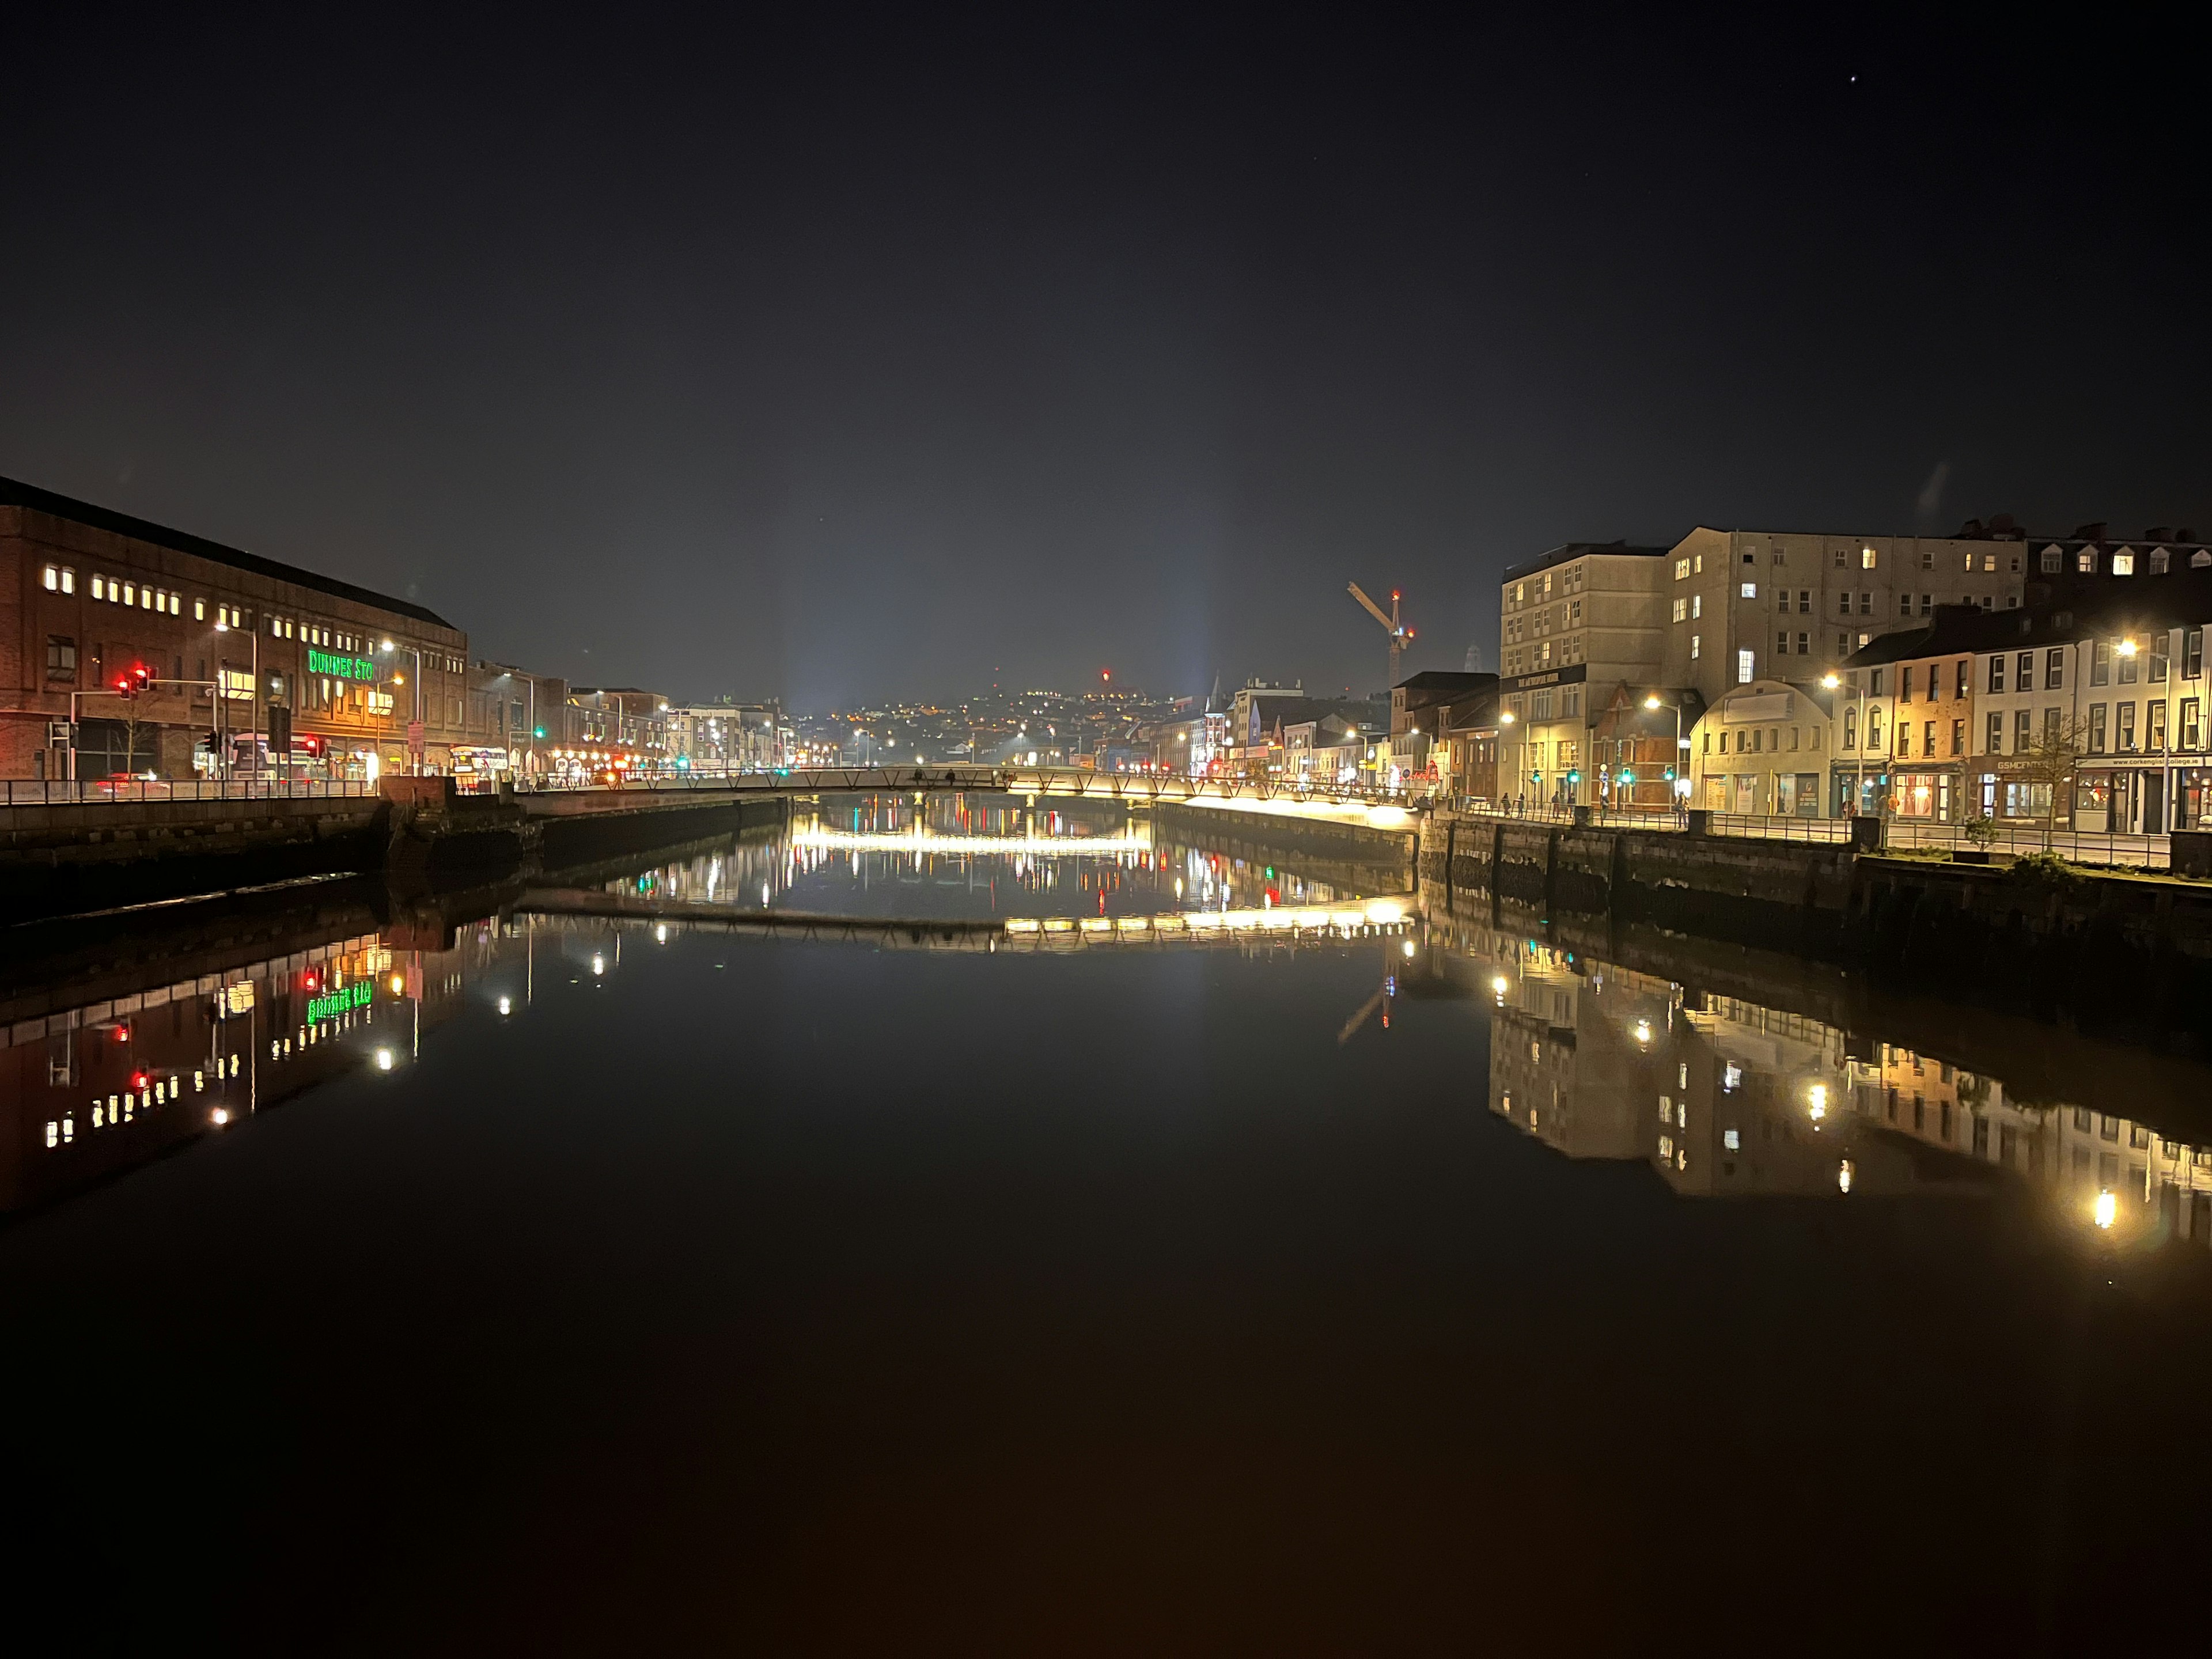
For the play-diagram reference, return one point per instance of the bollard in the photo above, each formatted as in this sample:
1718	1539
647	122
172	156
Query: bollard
1866	835
1696	817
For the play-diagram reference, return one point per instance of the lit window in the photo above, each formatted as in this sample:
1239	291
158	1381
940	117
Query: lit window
131	592
1866	558
2124	564
199	609
1697	605
1731	1139
53	579
1681	570
69	580
1743	667
1694	641
1751	590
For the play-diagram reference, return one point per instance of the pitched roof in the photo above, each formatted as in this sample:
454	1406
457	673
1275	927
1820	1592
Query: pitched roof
13	493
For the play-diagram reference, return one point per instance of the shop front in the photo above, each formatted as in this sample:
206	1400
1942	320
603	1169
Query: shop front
2192	797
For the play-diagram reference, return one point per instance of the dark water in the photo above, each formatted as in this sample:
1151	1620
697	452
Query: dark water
1400	1280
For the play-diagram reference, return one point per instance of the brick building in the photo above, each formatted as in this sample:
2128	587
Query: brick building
230	647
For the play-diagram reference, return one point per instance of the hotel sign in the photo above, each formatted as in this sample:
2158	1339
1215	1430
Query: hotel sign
340	668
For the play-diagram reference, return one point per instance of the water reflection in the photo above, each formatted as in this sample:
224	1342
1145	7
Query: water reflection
1725	1096
1720	1094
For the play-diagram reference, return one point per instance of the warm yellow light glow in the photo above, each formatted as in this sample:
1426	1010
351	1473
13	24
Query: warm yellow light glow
384	1059
1816	1099
220	1116
661	935
1409	947
506	1006
1844	1177
2107	1208
599	964
1644	1030
2127	647
1501	985
1651	702
399	983
1505	719
1830	680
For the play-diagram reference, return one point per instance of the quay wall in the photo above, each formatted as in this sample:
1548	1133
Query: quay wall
2120	954
77	858
1352	844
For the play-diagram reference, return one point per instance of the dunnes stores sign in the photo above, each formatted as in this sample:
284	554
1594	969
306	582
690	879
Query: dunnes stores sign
340	668
342	1000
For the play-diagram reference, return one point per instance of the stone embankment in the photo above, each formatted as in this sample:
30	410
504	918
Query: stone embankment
58	860
2115	952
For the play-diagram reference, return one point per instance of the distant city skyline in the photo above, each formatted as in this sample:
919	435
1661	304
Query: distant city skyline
943	342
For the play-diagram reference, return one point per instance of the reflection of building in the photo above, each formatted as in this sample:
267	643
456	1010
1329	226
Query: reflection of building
1725	1096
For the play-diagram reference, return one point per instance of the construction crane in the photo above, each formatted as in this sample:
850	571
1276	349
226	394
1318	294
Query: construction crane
1400	634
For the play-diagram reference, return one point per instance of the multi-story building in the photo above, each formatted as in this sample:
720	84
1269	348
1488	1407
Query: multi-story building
516	718
725	736
622	724
2113	675
126	646
1574	625
1743	604
1907	702
1763	749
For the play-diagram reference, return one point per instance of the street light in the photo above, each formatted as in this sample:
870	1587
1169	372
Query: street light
1653	702
1858	780
387	649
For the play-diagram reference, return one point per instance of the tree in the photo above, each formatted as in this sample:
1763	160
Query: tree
2048	760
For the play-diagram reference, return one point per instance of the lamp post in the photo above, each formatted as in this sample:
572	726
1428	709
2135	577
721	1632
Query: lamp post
1858	782
1655	702
415	761
253	638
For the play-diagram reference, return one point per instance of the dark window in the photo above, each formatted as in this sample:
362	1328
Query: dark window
2054	669
1996	672
61	658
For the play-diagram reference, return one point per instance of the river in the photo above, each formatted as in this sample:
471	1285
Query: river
955	1225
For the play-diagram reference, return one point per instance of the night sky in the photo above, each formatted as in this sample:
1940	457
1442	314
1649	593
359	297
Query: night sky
897	354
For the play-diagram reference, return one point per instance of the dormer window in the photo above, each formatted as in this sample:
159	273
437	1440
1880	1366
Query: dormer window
2159	560
2085	562
2124	564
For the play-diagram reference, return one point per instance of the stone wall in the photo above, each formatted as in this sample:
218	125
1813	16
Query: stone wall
2124	955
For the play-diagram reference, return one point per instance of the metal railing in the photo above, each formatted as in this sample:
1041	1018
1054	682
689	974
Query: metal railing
1134	786
2005	843
109	791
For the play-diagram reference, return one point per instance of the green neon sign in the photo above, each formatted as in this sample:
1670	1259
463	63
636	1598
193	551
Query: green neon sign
343	1001
340	668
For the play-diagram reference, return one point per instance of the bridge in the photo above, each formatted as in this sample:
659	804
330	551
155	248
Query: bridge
1354	803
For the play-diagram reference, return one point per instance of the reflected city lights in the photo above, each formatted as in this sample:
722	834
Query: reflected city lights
2107	1207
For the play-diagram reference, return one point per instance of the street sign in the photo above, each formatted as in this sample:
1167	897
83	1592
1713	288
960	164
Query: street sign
415	739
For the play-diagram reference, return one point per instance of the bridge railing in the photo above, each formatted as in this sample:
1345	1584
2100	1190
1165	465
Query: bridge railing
1140	787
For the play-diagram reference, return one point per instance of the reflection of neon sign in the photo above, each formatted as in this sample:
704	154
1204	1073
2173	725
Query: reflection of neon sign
343	1001
342	668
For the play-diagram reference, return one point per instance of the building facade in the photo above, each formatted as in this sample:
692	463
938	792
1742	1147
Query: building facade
1763	749
1574	625
129	648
